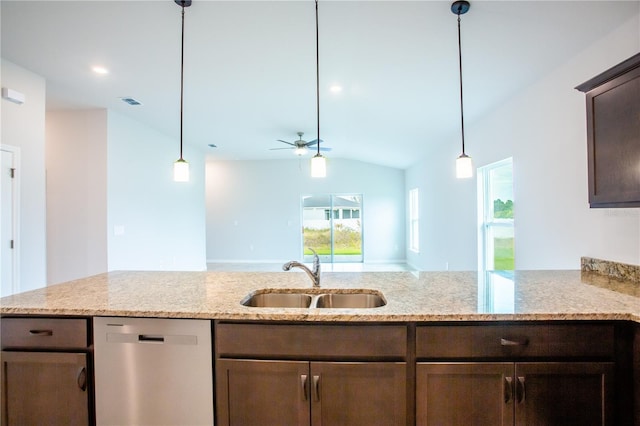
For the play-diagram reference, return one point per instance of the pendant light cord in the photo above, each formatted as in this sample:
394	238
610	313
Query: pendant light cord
181	81
461	97
317	80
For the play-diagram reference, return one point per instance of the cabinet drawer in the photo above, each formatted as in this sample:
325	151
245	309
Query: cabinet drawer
284	341
43	333
566	340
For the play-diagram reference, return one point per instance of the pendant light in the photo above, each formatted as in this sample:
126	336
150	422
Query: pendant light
181	167
464	166
318	162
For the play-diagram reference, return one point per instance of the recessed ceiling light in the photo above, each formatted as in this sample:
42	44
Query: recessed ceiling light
335	88
100	70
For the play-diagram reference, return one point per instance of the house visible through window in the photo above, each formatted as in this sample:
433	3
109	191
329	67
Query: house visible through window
495	207
332	226
414	235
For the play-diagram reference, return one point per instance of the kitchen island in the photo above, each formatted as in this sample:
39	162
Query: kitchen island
419	296
446	348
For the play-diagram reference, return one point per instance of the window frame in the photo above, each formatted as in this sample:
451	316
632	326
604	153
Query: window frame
486	220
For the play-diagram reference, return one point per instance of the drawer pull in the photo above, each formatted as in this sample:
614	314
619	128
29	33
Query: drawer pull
512	342
41	332
303	383
82	379
520	390
508	389
316	388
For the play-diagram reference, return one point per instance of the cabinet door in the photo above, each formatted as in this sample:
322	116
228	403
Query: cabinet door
262	393
464	394
44	387
613	137
564	393
353	394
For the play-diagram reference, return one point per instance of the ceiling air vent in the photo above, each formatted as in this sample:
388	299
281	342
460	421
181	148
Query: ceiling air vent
131	101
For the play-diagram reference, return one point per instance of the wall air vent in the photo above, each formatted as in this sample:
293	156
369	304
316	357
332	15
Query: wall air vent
131	101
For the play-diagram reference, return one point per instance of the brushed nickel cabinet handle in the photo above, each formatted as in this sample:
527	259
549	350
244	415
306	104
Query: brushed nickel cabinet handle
513	342
41	332
316	387
81	379
508	389
303	383
520	390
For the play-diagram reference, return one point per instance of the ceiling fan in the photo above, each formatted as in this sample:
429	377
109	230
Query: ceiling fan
300	146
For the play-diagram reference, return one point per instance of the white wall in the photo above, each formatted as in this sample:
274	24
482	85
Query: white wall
153	222
23	126
253	208
76	163
544	129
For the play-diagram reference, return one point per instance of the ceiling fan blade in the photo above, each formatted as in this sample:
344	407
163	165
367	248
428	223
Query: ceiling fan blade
275	149
313	142
325	149
288	143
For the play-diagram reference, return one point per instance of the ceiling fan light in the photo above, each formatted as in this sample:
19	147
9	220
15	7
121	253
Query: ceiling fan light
301	150
318	166
181	171
464	167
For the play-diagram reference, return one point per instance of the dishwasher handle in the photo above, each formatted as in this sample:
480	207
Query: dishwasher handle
151	338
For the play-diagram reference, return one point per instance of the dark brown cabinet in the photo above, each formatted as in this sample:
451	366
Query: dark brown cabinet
262	393
564	393
515	375
466	393
315	375
44	385
259	392
45	371
539	393
613	135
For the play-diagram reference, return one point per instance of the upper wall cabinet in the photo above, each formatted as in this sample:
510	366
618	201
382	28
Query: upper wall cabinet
613	135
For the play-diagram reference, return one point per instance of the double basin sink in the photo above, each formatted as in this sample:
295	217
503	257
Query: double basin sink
321	298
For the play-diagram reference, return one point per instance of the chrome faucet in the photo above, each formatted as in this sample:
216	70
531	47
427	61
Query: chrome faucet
314	275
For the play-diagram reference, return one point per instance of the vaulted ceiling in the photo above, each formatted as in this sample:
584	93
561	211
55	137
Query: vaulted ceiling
250	66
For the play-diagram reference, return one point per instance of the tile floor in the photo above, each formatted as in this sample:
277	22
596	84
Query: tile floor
326	267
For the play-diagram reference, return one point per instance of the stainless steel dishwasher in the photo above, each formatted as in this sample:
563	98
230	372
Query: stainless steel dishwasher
151	371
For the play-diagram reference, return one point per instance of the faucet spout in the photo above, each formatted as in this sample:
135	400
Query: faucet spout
313	274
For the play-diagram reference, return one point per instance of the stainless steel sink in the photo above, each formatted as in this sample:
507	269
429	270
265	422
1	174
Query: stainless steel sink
350	300
278	300
314	298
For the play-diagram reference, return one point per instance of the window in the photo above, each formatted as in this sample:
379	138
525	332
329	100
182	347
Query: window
495	207
332	226
414	236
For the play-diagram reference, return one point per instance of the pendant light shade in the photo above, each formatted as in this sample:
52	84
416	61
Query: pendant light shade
318	166
181	166
464	165
318	162
181	170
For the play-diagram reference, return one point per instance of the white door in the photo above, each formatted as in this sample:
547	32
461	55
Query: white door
8	222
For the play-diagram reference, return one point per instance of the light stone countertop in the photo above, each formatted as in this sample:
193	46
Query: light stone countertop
424	296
